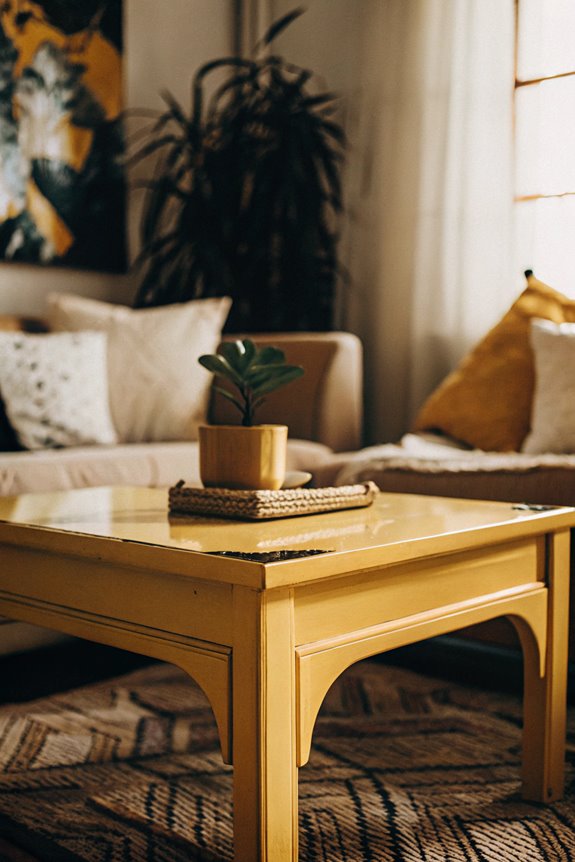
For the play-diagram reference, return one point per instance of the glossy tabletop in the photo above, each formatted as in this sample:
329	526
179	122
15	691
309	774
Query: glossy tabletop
396	527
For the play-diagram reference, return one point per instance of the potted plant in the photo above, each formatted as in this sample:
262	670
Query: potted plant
246	455
245	195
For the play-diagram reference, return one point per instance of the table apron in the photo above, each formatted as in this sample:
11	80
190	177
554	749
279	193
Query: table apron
330	608
181	605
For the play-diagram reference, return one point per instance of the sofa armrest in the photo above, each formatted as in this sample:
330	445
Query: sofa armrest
325	404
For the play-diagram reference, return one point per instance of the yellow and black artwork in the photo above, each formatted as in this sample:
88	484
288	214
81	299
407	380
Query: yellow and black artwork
61	178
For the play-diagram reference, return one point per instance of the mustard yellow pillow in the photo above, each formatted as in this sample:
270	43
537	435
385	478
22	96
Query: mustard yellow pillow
486	401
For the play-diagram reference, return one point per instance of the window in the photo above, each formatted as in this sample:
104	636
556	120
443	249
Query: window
545	141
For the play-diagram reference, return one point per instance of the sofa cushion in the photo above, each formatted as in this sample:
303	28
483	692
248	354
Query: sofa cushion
553	411
486	401
158	391
55	388
512	476
148	464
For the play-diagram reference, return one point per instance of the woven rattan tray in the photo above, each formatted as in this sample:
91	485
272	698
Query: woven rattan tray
259	505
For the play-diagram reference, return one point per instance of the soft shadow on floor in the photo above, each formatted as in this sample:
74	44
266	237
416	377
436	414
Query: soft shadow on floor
29	675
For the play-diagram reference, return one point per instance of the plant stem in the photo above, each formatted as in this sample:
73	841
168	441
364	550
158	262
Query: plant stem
248	417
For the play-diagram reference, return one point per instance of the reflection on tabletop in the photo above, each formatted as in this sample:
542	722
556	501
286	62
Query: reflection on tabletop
141	515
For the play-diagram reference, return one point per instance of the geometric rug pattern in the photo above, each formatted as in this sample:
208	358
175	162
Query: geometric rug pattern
404	768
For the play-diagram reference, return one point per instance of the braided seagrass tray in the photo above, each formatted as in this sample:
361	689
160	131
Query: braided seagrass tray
259	505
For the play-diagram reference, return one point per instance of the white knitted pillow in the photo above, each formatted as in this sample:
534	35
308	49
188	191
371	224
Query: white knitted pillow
553	409
55	388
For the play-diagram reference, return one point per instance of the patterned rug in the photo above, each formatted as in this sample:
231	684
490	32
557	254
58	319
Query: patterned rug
405	768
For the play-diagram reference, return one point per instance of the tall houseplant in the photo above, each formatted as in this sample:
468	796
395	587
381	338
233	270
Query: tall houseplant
246	193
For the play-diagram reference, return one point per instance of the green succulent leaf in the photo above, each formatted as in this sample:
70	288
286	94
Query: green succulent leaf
239	354
254	372
269	356
220	366
280	377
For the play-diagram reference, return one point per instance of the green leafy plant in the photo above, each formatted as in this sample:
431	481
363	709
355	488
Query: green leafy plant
246	193
253	372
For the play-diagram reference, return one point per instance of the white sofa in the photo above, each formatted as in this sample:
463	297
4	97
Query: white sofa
323	410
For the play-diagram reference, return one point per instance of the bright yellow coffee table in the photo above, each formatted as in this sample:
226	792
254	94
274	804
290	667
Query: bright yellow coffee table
266	640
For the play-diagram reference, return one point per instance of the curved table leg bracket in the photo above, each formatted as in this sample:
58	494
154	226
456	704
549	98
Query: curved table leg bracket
318	665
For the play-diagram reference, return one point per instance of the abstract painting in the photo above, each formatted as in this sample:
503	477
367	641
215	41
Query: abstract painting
62	191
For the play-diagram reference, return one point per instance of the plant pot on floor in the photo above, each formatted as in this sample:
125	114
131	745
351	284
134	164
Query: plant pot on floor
233	456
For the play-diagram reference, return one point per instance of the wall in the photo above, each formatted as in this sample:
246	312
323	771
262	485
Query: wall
164	43
328	39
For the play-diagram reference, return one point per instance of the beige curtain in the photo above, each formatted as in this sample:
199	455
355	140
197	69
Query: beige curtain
428	236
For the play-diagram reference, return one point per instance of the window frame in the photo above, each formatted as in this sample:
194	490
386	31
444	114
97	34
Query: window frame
520	83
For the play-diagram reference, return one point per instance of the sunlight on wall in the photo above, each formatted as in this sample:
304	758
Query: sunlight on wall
547	37
545	231
545	130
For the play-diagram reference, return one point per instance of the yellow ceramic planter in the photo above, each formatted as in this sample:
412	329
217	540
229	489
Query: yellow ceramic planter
232	456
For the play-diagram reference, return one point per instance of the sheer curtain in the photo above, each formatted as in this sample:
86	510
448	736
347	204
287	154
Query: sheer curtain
428	240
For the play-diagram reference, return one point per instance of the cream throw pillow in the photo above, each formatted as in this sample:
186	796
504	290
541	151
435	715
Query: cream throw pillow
553	411
55	388
158	391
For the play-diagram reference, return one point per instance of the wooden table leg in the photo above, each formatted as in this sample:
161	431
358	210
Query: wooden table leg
264	728
545	698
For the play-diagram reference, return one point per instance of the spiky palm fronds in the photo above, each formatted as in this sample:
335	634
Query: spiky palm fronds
245	195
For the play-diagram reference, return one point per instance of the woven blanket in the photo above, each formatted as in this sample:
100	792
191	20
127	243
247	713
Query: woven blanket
483	462
405	768
429	454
